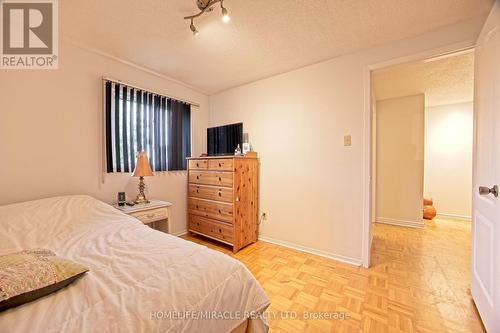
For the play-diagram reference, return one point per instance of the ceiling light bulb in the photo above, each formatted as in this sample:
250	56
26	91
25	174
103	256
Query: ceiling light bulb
225	15
193	29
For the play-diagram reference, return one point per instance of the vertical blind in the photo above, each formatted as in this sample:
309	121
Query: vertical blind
138	120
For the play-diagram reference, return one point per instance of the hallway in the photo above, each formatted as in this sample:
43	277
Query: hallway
427	272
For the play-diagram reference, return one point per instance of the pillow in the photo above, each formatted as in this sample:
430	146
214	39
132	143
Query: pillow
31	274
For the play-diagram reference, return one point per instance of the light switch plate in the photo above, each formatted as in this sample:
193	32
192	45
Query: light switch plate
347	140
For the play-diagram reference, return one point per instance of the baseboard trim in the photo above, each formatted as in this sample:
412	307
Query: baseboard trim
401	223
347	260
180	233
454	217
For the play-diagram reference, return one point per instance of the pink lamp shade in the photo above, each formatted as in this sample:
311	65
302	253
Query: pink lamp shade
142	168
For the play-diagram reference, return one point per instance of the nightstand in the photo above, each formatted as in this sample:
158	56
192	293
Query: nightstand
154	214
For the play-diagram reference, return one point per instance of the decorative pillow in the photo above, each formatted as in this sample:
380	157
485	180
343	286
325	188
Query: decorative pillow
31	274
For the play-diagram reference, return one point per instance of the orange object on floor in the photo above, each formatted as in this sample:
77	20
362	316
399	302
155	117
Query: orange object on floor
429	210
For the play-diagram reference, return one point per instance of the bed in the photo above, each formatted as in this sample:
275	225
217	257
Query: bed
140	279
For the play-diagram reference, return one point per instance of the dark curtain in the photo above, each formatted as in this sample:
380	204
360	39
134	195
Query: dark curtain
138	120
109	140
125	145
116	111
179	134
163	133
150	132
131	131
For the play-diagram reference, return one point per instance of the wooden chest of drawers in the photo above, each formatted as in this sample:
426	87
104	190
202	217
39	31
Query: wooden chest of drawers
222	199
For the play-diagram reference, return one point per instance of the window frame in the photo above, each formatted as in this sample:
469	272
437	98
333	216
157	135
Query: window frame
133	106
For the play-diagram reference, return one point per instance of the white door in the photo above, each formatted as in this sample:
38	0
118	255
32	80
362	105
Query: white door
485	266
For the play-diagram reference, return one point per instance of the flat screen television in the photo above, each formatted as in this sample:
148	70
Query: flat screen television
223	140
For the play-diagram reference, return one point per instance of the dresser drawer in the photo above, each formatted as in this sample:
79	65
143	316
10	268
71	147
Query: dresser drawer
218	230
195	223
151	215
211	228
211	192
212	209
223	164
198	164
211	178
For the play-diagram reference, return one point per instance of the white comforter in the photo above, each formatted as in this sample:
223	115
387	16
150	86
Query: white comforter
138	276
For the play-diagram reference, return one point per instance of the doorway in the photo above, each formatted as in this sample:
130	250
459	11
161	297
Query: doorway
422	141
485	204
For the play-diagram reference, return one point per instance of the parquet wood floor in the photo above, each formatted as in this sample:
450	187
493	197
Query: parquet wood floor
419	282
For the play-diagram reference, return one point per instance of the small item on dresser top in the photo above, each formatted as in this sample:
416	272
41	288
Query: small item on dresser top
131	204
246	148
237	151
246	144
121	198
142	169
252	154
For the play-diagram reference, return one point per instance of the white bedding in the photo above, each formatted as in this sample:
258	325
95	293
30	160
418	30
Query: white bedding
136	274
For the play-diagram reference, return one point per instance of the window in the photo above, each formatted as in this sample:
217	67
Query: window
138	120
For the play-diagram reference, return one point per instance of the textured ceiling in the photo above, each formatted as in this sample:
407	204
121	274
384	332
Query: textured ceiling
443	81
264	37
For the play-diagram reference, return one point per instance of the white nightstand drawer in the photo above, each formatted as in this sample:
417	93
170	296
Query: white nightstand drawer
151	215
155	214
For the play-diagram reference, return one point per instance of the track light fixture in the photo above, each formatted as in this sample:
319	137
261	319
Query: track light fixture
207	6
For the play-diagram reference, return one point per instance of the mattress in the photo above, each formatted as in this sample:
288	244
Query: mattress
140	279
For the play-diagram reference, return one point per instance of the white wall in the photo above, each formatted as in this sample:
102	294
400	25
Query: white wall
373	210
311	184
448	158
400	160
50	132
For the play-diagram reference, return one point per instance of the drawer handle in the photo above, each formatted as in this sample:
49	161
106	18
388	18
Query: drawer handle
197	165
196	206
220	230
220	164
220	179
220	194
220	212
197	191
197	177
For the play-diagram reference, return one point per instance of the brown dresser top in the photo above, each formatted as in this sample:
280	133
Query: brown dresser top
221	157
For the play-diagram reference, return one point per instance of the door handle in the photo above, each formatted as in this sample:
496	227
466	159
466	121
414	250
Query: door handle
483	190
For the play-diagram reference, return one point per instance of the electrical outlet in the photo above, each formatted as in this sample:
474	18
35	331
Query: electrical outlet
347	140
262	218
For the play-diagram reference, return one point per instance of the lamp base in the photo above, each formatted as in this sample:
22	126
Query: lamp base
141	197
141	200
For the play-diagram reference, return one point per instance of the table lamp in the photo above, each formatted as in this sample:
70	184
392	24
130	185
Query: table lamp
142	169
